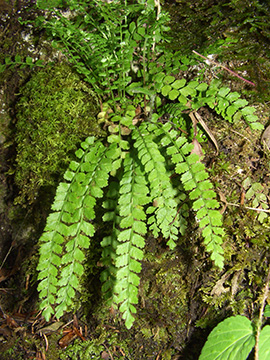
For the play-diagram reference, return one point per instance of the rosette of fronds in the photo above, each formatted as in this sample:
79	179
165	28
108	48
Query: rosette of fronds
139	199
144	171
139	159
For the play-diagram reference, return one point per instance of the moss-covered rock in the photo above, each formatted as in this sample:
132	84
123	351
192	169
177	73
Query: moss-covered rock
55	112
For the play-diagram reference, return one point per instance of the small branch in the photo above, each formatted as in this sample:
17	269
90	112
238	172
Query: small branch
259	327
249	208
224	67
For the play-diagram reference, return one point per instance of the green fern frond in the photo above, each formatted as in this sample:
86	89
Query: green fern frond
109	243
194	178
164	205
133	196
69	228
193	95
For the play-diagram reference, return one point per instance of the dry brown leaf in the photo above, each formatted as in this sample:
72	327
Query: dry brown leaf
197	149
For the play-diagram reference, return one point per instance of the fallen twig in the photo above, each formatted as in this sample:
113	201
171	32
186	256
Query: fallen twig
224	67
249	208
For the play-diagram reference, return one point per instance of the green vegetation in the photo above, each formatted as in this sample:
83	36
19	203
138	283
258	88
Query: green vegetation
236	336
18	61
243	24
136	219
131	169
55	112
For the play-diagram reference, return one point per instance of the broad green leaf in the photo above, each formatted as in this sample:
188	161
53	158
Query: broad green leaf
140	90
231	110
256	126
122	260
135	266
8	61
87	228
114	138
74	165
96	191
127	222
233	338
141	31
123	248
251	118
69	175
139	227
129	319
264	343
136	253
69	247
138	213
78	254
248	110
240	102
217	258
79	153
181	168
2	68
123	273
187	90
232	96
134	279
29	60
83	241
172	150
48	311
138	240
78	269
158	78
132	26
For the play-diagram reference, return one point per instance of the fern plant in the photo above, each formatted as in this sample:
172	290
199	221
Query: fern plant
132	169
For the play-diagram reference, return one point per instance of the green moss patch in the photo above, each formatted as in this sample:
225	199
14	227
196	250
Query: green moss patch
55	111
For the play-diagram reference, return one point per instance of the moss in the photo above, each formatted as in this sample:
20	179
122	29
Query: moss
160	326
90	349
56	110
